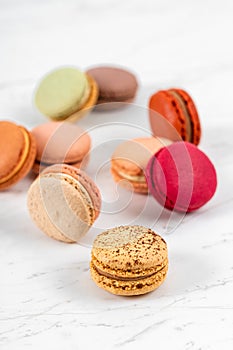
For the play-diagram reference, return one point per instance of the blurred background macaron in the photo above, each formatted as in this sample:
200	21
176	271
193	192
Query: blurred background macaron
117	86
129	161
129	260
18	152
181	177
64	202
179	109
66	93
60	142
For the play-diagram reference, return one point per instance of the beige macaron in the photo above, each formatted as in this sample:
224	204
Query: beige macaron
64	202
129	260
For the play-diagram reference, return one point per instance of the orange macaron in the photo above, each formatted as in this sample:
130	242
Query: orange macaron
179	109
18	152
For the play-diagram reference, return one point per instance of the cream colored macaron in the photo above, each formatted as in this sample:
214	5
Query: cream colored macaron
64	202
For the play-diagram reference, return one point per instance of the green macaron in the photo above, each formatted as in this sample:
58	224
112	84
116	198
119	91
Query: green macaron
62	92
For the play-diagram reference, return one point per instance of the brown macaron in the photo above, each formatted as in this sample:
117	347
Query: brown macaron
117	86
18	151
60	142
129	260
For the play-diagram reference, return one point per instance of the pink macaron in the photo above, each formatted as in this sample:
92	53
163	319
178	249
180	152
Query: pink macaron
181	177
60	142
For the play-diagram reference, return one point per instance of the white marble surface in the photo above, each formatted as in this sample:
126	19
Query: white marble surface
47	297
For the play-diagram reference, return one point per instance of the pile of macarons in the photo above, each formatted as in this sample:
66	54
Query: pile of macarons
64	201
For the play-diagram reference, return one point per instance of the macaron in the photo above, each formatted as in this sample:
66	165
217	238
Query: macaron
66	93
129	260
60	142
177	106
64	202
129	161
18	152
181	177
117	86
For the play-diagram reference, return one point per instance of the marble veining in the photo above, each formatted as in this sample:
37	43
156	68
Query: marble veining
48	299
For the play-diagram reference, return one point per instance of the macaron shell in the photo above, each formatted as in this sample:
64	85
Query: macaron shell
130	247
39	215
59	142
62	92
115	84
17	157
128	288
195	121
85	181
166	105
181	177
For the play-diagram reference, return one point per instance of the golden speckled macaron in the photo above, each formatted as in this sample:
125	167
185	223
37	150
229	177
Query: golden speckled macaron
129	260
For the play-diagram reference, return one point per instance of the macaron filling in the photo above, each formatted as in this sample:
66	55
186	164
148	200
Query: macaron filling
115	277
128	274
186	113
133	178
24	156
90	101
